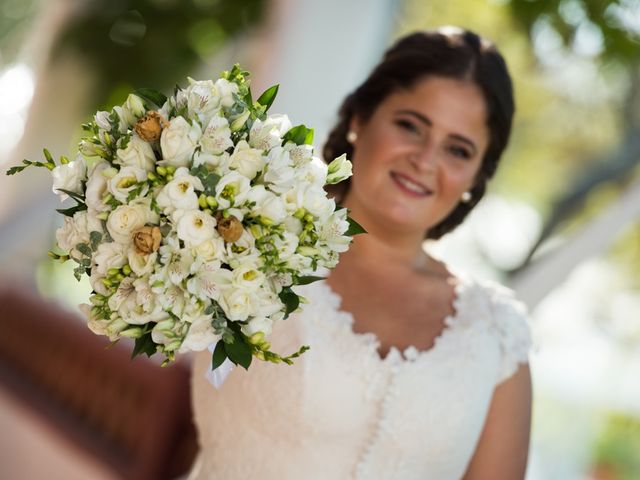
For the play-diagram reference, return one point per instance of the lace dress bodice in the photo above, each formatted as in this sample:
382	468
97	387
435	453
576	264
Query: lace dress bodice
343	412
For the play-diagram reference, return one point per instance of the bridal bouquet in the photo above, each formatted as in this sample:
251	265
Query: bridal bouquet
194	216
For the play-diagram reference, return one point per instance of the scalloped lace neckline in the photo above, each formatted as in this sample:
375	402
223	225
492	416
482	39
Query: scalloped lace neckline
410	353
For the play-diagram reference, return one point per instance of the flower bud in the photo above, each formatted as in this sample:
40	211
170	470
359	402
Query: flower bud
133	332
146	240
239	121
256	338
202	200
339	169
149	128
230	229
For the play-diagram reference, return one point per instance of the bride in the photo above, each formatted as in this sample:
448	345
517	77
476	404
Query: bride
415	371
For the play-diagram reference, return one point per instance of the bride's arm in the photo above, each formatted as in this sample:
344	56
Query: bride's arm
503	447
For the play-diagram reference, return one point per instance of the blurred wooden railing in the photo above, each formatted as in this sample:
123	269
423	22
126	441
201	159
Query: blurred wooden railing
132	415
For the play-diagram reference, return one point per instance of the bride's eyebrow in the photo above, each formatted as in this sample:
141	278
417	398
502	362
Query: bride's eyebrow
427	121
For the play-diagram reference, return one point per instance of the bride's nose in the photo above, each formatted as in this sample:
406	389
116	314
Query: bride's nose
425	159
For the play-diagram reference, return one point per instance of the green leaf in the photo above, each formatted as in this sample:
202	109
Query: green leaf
152	96
70	212
76	196
307	279
248	99
290	299
354	227
219	355
268	96
300	135
144	344
84	249
239	352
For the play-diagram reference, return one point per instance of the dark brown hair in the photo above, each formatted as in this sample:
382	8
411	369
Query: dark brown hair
451	53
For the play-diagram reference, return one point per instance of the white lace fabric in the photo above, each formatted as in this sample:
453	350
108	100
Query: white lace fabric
343	412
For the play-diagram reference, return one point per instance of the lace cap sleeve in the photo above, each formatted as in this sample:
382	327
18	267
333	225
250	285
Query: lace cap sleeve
512	322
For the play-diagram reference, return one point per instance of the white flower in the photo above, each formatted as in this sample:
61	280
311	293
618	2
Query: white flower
97	186
74	231
246	160
138	154
279	170
96	283
247	276
180	193
268	303
96	324
332	231
314	172
300	155
267	204
232	189
199	336
286	245
124	293
177	263
339	169
132	109
216	137
123	120
109	255
102	120
237	304
226	90
195	227
202	98
178	141
212	249
123	182
69	177
315	201
258	324
209	280
141	265
264	135
126	219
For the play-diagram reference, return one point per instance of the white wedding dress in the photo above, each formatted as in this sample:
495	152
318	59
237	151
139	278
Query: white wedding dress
343	412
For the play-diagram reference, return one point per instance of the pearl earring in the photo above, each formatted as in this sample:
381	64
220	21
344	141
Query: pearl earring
466	197
351	136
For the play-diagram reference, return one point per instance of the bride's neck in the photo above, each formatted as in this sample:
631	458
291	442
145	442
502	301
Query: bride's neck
398	249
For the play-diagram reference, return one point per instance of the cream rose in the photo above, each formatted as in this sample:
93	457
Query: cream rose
267	204
246	160
109	255
69	177
123	182
137	154
97	186
180	193
126	219
178	142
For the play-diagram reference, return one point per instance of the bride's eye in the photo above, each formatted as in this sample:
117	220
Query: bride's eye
460	152
407	125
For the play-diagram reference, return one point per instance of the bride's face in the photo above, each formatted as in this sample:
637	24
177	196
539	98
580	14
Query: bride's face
417	154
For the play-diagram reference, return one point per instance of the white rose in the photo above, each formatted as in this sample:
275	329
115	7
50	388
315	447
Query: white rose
126	219
212	249
315	201
267	204
109	255
74	231
195	227
264	135
237	304
180	193
178	141
203	100
232	189
216	137
69	177
258	324
97	186
141	265
138	154
126	180
226	90
199	336
246	160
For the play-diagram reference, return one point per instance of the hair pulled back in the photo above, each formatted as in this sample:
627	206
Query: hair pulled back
451	53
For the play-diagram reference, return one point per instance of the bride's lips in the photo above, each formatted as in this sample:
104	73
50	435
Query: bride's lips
410	185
